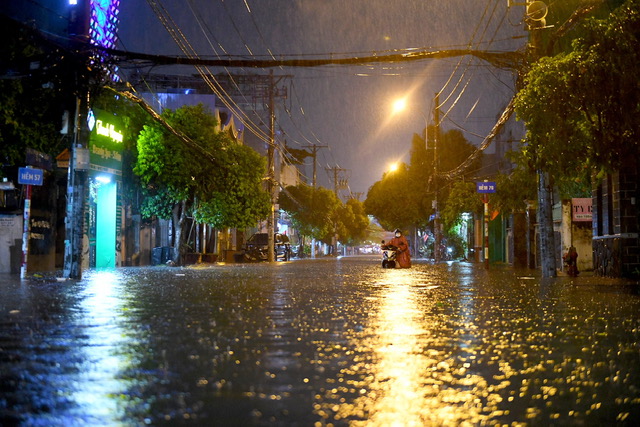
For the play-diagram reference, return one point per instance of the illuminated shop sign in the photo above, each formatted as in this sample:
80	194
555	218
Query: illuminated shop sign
108	130
105	142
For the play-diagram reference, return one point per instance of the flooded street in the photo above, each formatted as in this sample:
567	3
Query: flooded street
319	342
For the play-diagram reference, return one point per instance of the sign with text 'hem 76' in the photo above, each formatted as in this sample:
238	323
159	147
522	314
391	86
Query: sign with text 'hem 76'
486	187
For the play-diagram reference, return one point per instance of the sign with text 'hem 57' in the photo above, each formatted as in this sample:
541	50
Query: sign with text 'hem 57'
30	176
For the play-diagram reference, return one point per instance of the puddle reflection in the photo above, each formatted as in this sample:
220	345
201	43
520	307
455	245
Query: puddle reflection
96	389
417	372
400	371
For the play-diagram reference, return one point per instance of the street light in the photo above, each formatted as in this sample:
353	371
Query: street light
400	105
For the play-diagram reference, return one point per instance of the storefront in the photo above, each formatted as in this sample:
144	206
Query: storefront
103	210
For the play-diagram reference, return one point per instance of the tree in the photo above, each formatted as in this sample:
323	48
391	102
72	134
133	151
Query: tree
38	83
453	149
515	189
463	197
581	109
403	198
319	214
222	189
393	200
355	222
313	211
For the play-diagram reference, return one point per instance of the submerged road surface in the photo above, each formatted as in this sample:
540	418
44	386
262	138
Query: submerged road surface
319	342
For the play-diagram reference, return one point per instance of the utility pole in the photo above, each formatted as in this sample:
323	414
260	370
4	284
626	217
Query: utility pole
338	184
79	23
436	219
485	201
76	182
264	87
535	20
545	192
314	151
271	173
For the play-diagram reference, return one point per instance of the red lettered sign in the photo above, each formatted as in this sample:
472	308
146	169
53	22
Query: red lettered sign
581	209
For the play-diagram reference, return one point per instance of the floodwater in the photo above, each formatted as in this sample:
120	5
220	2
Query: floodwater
319	342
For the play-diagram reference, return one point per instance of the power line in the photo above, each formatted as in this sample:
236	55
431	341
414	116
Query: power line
183	43
507	60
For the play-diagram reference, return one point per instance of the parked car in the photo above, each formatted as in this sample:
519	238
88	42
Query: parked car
257	247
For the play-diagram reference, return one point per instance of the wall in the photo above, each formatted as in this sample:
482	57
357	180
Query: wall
10	243
578	234
616	222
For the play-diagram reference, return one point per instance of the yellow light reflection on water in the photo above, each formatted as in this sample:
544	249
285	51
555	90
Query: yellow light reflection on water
401	361
417	373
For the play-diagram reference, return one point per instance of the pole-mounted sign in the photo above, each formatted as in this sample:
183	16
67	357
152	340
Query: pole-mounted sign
28	176
485	188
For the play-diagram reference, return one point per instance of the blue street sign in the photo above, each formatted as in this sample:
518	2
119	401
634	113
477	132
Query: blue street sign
30	176
486	187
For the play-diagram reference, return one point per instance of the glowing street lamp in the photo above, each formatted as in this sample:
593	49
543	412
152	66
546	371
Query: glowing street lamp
399	105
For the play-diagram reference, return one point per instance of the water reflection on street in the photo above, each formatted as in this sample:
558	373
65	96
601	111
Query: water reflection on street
98	376
324	342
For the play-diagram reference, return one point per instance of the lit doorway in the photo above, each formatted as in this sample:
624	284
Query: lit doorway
106	213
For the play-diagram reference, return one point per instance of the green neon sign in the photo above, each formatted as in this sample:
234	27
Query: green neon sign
105	142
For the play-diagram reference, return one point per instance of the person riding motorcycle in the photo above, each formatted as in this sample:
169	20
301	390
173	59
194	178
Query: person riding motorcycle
404	255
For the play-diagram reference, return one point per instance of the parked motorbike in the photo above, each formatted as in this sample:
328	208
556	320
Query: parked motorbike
389	254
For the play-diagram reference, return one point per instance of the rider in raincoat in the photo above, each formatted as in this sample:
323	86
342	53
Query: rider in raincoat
404	255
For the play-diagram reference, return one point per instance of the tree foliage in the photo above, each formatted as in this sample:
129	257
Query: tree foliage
318	213
225	192
355	222
582	107
462	198
393	201
313	211
39	82
403	198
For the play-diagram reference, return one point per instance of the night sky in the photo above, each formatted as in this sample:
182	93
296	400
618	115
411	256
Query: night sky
348	108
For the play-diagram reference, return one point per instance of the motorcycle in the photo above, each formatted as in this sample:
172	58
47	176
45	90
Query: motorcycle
389	254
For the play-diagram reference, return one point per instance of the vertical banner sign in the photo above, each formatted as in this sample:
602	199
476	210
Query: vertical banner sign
26	230
485	188
27	176
485	200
